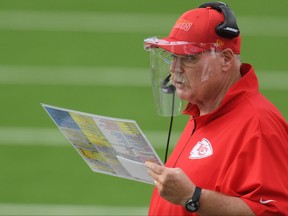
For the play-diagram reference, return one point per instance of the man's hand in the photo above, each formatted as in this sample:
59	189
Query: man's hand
175	186
172	183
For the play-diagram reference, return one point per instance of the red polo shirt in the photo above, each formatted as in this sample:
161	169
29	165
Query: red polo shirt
241	150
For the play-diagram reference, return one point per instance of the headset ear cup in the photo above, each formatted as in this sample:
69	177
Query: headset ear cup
229	28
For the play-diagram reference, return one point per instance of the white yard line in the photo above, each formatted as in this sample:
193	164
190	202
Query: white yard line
22	20
83	76
29	136
29	75
83	21
53	137
71	210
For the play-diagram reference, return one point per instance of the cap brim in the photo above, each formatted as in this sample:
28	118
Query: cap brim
175	46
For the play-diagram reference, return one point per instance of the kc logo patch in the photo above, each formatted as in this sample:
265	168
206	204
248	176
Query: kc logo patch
201	150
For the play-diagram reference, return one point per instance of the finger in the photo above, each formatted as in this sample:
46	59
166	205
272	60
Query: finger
154	175
156	168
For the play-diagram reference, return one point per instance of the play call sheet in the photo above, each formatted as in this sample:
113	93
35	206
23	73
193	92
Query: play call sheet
108	145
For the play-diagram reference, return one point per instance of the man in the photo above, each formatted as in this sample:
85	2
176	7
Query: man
232	157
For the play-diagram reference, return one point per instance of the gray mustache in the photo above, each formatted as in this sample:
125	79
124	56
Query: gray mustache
179	77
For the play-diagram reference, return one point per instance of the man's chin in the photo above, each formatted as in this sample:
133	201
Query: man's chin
182	94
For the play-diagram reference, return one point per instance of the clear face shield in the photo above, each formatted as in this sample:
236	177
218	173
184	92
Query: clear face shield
163	55
164	92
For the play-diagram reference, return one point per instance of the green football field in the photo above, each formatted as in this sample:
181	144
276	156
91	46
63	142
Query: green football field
88	55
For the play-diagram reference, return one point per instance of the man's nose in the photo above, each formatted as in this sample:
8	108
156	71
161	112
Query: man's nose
175	65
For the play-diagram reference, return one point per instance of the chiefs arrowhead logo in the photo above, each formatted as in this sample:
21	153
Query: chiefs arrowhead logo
201	150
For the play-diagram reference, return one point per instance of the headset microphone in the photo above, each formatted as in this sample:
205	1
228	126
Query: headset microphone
168	89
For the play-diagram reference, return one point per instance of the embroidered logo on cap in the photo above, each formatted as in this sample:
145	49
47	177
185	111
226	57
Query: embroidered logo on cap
220	42
183	24
201	150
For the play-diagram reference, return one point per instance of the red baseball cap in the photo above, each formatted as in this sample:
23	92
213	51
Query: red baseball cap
194	32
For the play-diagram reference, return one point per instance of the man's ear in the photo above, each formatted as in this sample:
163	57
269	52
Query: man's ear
228	58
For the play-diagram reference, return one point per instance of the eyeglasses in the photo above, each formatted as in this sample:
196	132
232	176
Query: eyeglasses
170	58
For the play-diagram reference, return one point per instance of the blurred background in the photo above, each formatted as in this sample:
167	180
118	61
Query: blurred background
88	55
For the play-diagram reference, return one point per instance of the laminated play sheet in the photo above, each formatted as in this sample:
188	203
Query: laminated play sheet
108	145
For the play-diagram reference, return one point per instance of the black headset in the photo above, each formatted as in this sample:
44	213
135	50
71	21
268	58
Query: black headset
229	28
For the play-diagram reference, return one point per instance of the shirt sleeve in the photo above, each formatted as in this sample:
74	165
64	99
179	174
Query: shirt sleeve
259	174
